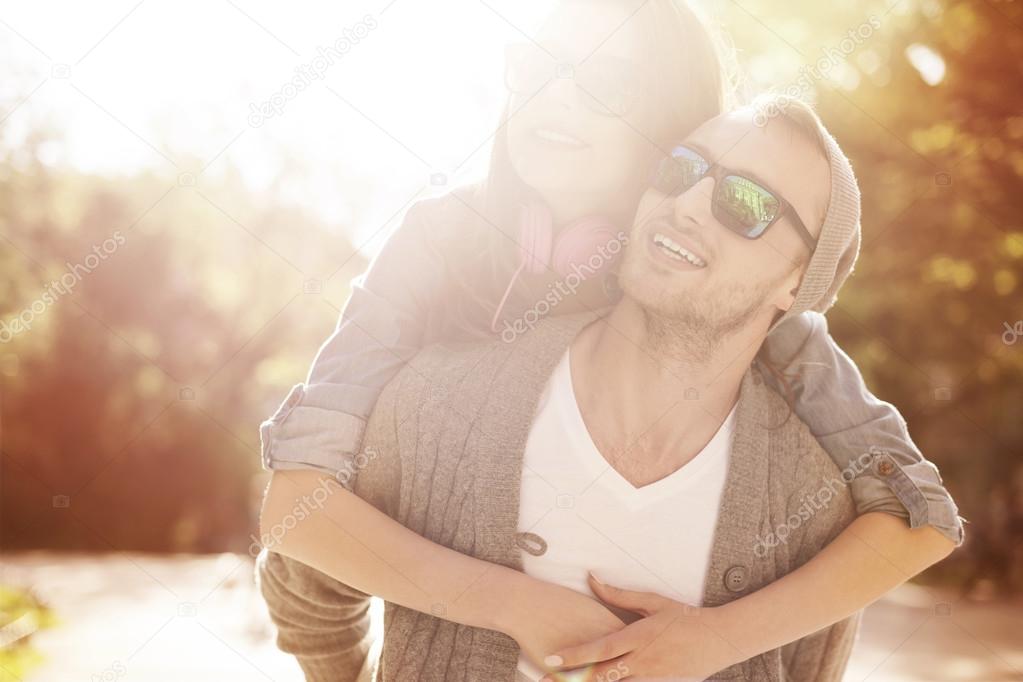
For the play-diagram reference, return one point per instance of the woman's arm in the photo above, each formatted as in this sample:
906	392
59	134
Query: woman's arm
320	425
350	540
321	422
865	436
873	555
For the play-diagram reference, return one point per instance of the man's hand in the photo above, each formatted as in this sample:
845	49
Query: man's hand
672	641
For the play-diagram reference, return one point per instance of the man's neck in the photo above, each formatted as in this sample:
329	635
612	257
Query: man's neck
651	393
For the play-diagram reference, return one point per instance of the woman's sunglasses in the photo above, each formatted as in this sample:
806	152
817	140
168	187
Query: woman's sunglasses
609	85
744	206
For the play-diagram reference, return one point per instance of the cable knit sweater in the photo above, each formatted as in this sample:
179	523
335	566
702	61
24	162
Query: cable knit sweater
449	434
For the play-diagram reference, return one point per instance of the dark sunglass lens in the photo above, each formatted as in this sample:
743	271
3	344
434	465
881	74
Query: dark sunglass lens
748	207
680	171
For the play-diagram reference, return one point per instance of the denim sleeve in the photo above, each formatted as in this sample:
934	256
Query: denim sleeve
866	437
321	422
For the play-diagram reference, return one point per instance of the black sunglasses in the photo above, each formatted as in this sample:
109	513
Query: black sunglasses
743	205
610	85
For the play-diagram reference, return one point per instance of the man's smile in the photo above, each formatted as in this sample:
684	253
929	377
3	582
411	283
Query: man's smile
669	246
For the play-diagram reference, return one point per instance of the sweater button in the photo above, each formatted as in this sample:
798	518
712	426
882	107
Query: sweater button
531	542
735	578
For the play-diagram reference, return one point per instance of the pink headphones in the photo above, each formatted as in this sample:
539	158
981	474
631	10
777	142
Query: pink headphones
575	245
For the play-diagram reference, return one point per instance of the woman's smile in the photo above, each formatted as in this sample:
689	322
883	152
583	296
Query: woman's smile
558	139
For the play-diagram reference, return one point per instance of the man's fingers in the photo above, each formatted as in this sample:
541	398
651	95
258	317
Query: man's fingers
603	649
643	603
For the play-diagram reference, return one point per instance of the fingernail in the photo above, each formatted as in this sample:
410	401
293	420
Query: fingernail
553	661
594	576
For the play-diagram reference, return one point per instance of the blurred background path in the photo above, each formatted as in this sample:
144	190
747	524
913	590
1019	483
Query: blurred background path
155	619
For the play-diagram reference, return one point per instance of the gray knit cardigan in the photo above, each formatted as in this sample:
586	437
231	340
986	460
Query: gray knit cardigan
448	436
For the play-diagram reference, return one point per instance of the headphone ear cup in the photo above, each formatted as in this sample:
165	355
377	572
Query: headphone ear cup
578	244
536	234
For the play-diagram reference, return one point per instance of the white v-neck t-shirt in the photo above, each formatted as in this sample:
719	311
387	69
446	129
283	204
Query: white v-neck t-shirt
656	538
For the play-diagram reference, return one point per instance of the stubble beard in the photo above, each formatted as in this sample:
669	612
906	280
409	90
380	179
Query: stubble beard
690	329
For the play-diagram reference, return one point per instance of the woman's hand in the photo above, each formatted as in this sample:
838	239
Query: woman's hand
672	641
543	617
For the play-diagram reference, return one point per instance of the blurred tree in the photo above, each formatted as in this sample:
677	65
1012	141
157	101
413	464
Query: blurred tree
130	408
925	97
162	330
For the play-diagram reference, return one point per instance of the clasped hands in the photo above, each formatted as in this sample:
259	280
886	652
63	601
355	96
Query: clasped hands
671	640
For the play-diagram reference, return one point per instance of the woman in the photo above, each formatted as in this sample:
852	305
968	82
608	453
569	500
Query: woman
571	148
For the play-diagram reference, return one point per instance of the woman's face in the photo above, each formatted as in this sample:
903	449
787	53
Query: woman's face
581	118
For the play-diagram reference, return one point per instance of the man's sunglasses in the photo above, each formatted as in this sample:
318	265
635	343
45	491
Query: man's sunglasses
609	85
745	206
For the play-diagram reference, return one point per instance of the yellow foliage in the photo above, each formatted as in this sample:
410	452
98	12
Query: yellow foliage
936	138
1004	281
1013	244
955	272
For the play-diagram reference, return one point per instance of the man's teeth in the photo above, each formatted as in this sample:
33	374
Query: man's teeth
560	138
676	251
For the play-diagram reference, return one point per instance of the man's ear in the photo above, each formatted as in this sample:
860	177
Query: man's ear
787	289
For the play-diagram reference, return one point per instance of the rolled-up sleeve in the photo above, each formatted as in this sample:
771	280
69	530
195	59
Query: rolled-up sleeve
320	424
866	437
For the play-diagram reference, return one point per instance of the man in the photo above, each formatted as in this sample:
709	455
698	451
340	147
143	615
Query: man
642	440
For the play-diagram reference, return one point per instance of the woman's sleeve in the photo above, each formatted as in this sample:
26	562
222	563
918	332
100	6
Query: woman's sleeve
321	422
866	437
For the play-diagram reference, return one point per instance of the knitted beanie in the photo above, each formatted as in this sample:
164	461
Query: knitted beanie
839	242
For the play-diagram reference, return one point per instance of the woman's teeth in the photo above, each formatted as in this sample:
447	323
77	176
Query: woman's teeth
558	138
675	251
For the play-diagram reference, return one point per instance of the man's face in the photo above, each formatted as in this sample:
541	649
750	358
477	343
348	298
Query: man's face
738	280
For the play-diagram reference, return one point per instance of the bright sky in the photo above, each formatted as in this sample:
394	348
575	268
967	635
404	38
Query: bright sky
169	85
173	86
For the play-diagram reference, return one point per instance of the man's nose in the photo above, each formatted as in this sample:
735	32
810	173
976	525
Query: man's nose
695	203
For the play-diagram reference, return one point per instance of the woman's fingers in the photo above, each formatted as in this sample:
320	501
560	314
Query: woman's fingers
602	649
643	603
611	671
